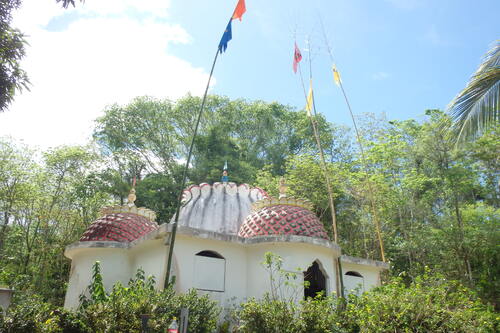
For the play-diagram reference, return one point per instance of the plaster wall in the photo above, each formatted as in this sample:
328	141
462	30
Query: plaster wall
115	266
371	277
297	257
5	298
185	250
151	257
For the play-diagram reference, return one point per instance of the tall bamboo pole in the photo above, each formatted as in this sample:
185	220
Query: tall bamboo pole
363	156
184	175
338	267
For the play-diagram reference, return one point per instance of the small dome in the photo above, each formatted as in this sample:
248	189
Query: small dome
118	227
282	219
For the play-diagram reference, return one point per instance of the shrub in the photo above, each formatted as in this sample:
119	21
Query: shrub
429	304
118	311
26	316
121	309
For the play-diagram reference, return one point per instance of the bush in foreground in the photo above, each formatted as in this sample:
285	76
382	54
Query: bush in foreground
119	311
429	304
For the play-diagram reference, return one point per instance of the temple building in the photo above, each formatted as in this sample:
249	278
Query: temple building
223	234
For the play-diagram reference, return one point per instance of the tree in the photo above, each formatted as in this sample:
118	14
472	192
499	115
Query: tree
12	42
476	107
45	206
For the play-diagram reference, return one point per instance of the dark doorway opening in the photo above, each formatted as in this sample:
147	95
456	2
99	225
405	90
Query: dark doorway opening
316	279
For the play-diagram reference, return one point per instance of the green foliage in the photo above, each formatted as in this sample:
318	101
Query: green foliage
120	310
281	309
429	304
437	204
45	205
476	107
12	51
31	314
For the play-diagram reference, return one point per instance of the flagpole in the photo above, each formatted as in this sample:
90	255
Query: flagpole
363	157
184	176
338	268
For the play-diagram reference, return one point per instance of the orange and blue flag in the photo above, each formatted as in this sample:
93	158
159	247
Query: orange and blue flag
239	10
228	35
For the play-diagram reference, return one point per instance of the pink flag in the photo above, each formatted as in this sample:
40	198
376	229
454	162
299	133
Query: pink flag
297	57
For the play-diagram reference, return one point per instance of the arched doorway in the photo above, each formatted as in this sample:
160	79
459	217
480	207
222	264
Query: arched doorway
316	280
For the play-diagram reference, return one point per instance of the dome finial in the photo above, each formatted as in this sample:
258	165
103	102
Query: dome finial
131	196
225	177
283	188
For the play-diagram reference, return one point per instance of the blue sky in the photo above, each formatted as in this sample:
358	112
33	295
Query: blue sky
399	57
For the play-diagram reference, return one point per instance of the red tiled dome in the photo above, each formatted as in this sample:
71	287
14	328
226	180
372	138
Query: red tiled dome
282	220
118	227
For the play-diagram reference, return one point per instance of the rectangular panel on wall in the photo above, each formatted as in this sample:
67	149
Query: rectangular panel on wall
353	284
209	273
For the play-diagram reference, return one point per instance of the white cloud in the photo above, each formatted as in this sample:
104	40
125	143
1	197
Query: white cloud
380	76
96	61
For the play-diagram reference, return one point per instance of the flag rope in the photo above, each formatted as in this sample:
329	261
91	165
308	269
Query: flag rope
338	267
360	143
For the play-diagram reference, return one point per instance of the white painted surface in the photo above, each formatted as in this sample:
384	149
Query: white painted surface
243	275
353	285
186	248
209	273
371	277
297	257
115	266
221	207
151	257
5	298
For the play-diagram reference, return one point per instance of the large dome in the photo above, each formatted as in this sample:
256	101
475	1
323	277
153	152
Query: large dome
282	217
121	223
221	207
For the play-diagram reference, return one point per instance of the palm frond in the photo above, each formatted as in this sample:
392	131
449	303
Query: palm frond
476	107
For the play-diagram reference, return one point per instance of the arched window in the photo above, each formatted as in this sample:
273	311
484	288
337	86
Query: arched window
209	271
354	283
353	273
209	254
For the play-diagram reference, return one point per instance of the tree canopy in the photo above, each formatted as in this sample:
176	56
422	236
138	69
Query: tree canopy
438	204
476	108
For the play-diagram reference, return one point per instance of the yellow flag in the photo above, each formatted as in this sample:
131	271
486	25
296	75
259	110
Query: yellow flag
336	75
309	104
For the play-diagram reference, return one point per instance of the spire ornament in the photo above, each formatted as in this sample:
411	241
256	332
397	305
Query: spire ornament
131	195
283	188
225	177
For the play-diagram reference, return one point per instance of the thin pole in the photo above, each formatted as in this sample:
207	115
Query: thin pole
363	157
184	176
338	269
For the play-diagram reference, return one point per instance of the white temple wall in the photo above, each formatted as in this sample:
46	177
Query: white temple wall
151	257
370	277
294	255
115	266
190	274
